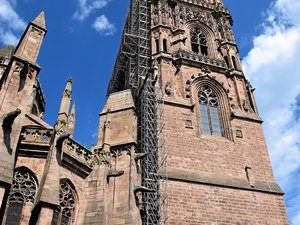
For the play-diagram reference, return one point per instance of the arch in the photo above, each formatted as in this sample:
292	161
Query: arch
207	32
221	98
22	192
198	42
65	212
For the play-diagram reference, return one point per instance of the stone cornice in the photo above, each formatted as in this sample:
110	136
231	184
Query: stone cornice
202	178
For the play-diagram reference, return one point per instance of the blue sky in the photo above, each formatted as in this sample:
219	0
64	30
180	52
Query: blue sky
83	38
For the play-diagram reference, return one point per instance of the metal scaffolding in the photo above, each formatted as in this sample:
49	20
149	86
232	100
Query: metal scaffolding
133	71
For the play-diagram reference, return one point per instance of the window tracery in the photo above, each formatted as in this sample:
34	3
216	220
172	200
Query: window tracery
22	191
199	42
209	109
64	213
23	188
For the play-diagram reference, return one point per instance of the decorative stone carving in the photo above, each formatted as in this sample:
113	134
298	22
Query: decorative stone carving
168	88
239	134
100	157
67	200
175	15
224	27
76	149
18	68
33	135
207	96
206	70
182	54
245	106
36	31
107	124
24	187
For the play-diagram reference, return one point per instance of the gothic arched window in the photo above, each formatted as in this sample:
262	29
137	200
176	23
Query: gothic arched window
199	42
22	192
65	213
209	109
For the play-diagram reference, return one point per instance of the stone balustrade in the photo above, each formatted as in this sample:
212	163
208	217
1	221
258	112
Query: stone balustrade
199	58
75	149
35	135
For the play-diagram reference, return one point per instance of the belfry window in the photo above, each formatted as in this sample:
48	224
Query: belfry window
234	62
165	46
22	193
157	45
199	42
209	109
64	214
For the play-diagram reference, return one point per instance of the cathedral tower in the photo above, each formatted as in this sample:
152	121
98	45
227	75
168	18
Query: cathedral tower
218	165
180	140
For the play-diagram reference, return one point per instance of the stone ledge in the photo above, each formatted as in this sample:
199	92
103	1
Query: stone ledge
206	179
253	118
174	102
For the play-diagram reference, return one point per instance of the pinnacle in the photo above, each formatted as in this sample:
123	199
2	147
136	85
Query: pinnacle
40	20
72	113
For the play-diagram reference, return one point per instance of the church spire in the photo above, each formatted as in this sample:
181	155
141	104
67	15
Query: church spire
40	20
65	103
31	41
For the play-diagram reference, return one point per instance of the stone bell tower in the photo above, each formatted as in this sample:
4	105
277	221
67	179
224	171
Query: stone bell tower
219	171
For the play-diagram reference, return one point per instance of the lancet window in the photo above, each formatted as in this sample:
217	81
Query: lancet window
22	192
65	213
209	110
199	42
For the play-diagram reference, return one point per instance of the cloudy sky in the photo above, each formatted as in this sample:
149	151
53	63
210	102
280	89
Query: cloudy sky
82	42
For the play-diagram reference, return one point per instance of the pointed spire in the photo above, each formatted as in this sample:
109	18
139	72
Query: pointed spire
64	109
72	113
40	20
29	45
72	121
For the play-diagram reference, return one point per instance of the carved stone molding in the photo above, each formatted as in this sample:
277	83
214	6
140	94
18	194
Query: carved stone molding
176	15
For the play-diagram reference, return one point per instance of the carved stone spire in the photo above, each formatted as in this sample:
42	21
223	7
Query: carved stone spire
72	120
65	104
40	20
31	41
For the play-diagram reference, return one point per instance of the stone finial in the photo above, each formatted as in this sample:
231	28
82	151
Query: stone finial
63	114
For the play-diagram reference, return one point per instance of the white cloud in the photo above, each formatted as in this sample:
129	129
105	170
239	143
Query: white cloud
273	68
10	23
103	26
86	7
296	220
